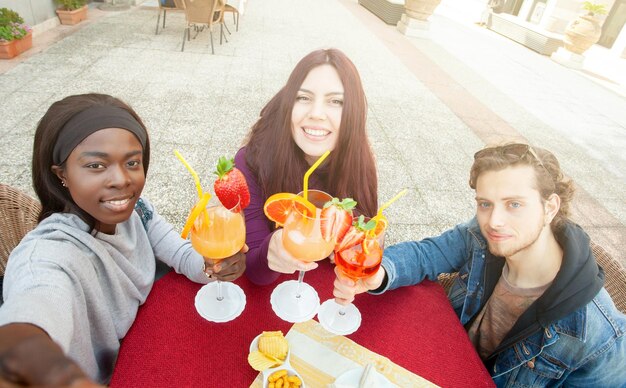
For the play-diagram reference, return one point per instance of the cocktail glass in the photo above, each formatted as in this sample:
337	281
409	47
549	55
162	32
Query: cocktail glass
216	234
358	262
296	301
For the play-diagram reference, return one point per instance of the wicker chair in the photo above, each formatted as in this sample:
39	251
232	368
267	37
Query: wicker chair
178	6
200	14
615	282
235	12
18	215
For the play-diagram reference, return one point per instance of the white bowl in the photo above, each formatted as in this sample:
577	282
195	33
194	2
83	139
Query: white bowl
254	346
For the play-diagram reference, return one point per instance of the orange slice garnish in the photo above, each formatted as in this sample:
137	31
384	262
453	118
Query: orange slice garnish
195	212
278	206
381	226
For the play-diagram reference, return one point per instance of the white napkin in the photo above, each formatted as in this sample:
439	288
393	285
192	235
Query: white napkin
368	379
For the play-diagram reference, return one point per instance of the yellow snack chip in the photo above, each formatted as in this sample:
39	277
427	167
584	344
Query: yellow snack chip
259	361
276	333
274	344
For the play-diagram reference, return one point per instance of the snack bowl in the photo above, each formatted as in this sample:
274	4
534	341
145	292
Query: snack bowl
266	373
287	367
254	346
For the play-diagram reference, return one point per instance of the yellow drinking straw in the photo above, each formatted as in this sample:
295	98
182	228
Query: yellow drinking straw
203	199
195	213
379	214
392	200
310	171
191	170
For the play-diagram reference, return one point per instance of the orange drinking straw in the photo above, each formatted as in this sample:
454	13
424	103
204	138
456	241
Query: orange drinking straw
191	170
310	171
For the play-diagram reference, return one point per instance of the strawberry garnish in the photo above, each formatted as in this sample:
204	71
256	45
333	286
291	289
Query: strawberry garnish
356	234
336	218
230	186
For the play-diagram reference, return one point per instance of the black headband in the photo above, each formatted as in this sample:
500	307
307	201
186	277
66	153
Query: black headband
91	120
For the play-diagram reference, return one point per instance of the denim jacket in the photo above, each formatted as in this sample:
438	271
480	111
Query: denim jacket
585	347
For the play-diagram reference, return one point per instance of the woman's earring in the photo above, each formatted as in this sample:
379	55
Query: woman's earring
63	183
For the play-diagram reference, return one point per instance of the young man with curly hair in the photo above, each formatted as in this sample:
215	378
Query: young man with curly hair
529	290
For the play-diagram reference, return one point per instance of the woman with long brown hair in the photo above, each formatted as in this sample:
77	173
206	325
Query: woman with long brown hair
321	107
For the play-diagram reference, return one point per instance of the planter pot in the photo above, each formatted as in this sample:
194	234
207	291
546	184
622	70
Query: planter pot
72	17
7	49
582	33
15	47
25	43
420	9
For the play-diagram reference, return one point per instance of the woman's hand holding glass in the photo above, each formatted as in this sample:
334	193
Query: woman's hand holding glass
228	269
280	260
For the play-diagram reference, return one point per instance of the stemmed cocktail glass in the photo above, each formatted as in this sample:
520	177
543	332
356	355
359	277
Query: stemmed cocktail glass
216	234
296	301
359	261
358	256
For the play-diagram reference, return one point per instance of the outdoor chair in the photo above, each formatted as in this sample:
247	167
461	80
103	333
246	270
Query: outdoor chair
235	12
615	281
200	14
615	277
167	5
18	215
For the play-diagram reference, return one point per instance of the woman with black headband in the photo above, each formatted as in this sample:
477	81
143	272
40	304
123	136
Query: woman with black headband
73	285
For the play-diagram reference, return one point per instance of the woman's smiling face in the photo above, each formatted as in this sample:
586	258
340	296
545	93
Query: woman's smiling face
316	114
105	176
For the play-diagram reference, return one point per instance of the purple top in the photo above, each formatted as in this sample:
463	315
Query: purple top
259	228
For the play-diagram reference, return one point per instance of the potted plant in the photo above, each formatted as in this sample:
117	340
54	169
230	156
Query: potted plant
15	36
585	30
414	21
420	9
72	12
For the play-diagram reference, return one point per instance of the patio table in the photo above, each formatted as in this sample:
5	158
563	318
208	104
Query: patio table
170	344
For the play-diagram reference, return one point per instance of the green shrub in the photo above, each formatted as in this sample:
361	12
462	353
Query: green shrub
594	8
70	5
12	25
8	16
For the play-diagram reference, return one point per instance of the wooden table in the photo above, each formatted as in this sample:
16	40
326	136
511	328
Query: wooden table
171	345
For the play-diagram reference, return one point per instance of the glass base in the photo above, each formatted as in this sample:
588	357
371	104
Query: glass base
291	308
227	309
341	324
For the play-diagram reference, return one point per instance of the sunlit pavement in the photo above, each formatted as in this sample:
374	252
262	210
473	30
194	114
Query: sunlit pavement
433	103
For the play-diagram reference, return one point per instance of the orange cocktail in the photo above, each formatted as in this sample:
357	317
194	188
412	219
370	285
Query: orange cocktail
302	236
362	260
218	233
296	301
358	256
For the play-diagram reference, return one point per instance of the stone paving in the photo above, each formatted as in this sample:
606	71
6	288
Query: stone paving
433	103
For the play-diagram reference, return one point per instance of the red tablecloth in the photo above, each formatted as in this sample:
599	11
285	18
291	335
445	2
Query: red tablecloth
171	345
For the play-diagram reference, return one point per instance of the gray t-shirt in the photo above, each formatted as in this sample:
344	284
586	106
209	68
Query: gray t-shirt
84	289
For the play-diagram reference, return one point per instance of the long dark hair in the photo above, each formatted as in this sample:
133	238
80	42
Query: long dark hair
279	163
53	196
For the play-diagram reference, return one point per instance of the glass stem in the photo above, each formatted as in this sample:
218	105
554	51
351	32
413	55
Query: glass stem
220	297
300	278
342	310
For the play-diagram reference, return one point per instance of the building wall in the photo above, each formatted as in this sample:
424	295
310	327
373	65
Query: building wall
559	13
32	11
